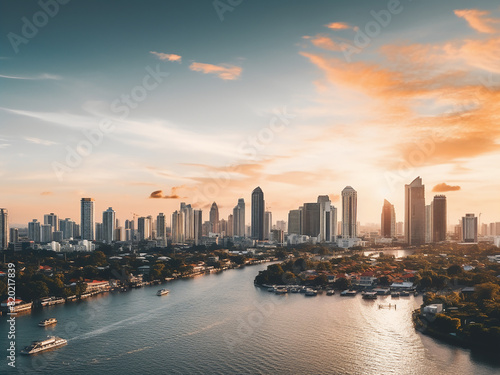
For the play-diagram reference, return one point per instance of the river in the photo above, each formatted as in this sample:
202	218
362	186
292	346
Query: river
222	324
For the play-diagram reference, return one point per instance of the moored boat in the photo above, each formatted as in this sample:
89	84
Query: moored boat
162	292
370	295
311	292
330	292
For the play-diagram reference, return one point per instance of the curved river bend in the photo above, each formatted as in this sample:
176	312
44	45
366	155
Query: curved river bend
222	324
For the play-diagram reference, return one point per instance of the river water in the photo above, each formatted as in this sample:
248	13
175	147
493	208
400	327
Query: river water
222	324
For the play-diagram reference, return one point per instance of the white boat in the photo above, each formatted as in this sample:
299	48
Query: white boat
162	292
50	342
281	291
311	293
47	322
330	292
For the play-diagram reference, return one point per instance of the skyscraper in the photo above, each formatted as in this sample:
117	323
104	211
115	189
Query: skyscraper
349	212
230	225
295	221
161	227
46	233
178	227
187	212
415	213
4	228
34	230
144	229
257	214
428	223
327	219
52	220
14	235
87	219
239	219
268	224
66	226
439	218
108	225
388	220
469	228
98	232
197	226
214	218
310	219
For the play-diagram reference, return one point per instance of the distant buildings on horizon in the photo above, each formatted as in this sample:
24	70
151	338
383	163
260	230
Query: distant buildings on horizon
314	222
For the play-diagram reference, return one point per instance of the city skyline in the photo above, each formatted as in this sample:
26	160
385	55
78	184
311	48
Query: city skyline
269	111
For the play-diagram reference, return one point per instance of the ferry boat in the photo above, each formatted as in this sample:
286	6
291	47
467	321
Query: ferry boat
51	342
47	322
162	292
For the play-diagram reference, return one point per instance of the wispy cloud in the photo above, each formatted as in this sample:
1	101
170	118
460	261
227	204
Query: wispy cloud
39	141
340	26
444	187
44	76
479	20
167	56
324	42
46	193
223	71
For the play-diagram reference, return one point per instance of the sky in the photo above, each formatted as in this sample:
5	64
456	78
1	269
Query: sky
143	105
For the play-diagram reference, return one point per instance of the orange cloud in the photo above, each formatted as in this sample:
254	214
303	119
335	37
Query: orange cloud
478	20
158	194
223	71
324	42
444	187
46	193
340	26
167	56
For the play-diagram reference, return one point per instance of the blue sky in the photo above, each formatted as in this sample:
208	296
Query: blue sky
234	79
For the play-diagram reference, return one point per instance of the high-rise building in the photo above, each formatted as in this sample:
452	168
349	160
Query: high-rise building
67	227
400	228
108	225
239	219
439	218
230	225
268	223
119	234
197	226
98	232
187	212
178	227
87	219
281	225
295	221
469	228
214	218
428	223
14	235
4	228
388	220
349	212
415	213
484	229
46	233
52	220
310	219
34	230
222	227
161	226
144	229
258	208
327	219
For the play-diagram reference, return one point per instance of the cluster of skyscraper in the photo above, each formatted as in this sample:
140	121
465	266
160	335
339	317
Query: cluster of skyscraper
318	220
